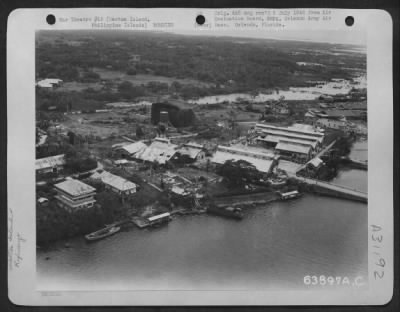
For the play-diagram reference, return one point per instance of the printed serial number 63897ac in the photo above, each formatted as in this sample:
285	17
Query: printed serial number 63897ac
323	280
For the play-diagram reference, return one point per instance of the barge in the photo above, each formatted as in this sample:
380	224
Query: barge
103	233
230	212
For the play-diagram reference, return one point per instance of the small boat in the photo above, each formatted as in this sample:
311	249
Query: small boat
108	231
290	195
231	212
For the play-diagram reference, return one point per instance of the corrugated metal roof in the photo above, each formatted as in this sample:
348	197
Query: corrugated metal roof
114	181
293	147
292	135
292	130
157	151
50	162
277	138
261	161
75	187
134	147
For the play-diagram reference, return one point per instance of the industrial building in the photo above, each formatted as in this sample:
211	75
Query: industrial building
50	164
115	183
262	161
130	150
160	151
297	143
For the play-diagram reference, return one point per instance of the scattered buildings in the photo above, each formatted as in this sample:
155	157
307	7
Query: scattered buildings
346	114
50	164
262	161
332	124
115	183
74	195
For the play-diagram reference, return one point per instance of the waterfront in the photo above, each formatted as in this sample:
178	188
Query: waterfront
272	247
337	87
355	178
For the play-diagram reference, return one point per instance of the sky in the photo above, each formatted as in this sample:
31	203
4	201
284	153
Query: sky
350	36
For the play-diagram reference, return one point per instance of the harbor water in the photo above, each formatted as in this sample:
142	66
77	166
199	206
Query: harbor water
273	247
355	178
337	87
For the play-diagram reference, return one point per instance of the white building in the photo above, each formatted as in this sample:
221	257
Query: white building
50	164
74	195
262	161
115	183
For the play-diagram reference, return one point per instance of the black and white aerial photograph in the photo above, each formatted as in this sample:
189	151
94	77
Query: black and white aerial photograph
199	161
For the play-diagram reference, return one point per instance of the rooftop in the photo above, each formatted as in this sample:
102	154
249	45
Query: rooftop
157	151
263	162
75	187
113	180
50	162
134	147
316	162
292	129
277	138
293	147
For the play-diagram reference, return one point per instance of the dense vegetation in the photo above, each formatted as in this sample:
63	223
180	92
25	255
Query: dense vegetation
227	64
54	222
237	173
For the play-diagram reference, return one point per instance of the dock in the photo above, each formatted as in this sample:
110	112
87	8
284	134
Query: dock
334	190
247	199
141	223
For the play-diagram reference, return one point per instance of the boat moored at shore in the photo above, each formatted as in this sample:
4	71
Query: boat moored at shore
290	195
230	212
103	233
